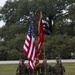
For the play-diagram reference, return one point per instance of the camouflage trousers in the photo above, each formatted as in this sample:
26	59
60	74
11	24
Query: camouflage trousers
57	74
20	74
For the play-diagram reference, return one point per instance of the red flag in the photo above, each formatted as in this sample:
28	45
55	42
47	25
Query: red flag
40	40
29	46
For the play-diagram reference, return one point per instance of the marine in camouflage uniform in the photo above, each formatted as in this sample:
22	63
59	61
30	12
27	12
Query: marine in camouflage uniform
58	68
44	68
22	68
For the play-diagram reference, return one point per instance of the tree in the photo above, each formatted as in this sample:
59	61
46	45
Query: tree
18	11
17	16
59	45
3	53
14	37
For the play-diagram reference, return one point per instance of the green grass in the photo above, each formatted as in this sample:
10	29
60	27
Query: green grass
8	69
70	68
11	69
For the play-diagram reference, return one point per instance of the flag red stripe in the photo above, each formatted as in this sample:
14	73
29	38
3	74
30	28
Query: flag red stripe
32	53
30	47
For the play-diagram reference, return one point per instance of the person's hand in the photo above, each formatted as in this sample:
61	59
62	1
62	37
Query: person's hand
64	73
17	71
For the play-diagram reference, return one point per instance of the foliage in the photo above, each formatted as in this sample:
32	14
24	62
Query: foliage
3	53
19	12
60	28
59	45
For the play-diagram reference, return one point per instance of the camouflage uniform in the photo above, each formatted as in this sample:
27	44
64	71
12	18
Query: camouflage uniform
22	69
44	69
58	68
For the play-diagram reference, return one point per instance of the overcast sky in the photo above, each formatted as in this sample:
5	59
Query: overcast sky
2	2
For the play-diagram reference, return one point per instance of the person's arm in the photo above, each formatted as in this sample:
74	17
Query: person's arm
18	69
64	72
38	69
50	70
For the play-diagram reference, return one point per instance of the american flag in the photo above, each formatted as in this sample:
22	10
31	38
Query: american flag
29	46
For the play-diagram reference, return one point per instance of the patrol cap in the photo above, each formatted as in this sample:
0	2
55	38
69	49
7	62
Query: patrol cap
22	60
57	58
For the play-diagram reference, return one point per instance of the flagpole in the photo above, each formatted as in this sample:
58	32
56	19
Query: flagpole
33	72
44	58
20	54
44	51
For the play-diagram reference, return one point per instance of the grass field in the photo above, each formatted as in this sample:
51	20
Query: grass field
11	69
